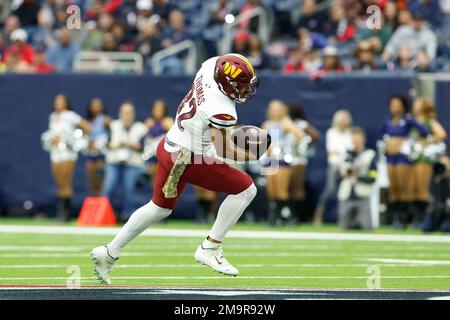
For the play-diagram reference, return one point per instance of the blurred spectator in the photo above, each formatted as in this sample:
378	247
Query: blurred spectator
365	57
377	38
404	60
123	160
63	123
62	53
19	47
60	14
27	12
339	28
15	63
2	46
5	11
330	60
338	143
217	12
303	150
94	39
438	213
286	134
429	9
148	41
162	9
145	13
311	40
404	18
175	32
417	35
250	24
424	112
94	10
390	14
358	174
119	31
294	63
257	55
98	138
304	58
423	63
241	43
158	125
353	8
311	19
282	17
109	43
40	62
12	23
42	33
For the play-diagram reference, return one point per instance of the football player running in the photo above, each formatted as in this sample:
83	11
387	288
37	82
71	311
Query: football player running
187	155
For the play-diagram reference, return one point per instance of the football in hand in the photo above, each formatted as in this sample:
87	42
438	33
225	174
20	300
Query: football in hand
252	139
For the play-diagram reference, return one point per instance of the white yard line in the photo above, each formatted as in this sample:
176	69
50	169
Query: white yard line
232	234
193	265
229	278
40	248
408	261
166	254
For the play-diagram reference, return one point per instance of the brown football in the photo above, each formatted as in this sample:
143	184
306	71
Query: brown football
251	138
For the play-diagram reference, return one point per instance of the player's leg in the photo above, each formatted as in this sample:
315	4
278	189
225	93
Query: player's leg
157	209
241	191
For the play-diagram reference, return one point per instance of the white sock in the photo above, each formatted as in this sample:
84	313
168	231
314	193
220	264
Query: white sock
210	245
138	222
230	211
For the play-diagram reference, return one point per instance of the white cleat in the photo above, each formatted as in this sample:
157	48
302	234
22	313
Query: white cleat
103	264
214	259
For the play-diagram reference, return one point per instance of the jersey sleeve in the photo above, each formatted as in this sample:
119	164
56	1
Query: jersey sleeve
222	121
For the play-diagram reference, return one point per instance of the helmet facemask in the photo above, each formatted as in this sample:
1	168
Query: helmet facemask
245	91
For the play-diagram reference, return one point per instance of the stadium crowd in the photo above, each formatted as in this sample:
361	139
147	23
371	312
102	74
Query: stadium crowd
409	168
308	36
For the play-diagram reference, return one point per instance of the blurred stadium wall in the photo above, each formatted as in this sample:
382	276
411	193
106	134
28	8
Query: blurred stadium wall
27	100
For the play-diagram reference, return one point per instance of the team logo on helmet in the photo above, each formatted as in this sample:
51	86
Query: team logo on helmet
235	76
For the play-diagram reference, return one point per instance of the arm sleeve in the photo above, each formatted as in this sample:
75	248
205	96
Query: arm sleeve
222	121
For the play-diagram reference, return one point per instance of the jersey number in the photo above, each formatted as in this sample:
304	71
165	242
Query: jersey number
189	98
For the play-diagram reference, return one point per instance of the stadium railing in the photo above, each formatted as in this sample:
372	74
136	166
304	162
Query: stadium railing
264	28
190	60
108	62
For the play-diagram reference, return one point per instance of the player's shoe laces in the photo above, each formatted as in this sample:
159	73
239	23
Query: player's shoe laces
103	264
213	257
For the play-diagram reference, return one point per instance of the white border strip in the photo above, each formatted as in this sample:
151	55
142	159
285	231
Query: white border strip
189	233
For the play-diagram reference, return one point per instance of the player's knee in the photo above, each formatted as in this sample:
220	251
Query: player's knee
160	211
250	192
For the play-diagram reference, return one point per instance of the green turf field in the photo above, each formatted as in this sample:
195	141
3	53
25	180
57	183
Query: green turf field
44	258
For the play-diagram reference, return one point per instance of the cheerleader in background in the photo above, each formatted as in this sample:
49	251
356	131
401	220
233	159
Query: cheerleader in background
279	126
124	162
301	154
338	143
158	124
425	114
395	131
62	137
98	139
